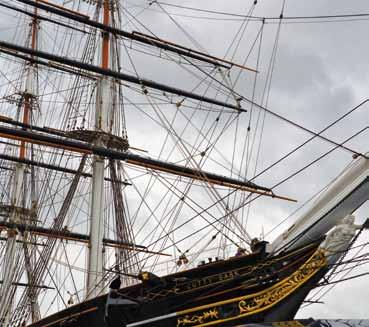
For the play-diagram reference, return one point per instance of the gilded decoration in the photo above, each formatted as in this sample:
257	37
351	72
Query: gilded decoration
198	319
281	290
257	302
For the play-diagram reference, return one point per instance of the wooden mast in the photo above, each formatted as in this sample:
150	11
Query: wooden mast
29	96
18	199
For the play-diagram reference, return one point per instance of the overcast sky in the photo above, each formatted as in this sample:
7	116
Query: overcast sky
320	72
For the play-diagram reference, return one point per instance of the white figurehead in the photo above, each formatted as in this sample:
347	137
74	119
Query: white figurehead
338	240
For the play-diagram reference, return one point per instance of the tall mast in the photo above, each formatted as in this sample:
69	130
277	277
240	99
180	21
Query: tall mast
19	200
102	114
29	97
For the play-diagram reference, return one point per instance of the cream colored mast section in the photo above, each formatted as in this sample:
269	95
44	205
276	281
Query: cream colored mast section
95	283
9	266
347	192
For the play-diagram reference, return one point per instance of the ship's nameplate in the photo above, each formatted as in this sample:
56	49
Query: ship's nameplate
210	280
232	309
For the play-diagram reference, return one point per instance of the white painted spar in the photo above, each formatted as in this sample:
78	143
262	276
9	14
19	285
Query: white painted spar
341	198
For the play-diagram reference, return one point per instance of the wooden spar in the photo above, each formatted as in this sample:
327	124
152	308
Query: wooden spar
51	167
29	285
195	51
41	18
83	147
49	130
202	177
26	242
138	250
169	46
117	75
64	8
24	139
76	237
59	67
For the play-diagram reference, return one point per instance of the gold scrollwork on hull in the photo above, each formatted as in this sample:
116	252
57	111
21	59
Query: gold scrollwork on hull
281	290
198	319
251	304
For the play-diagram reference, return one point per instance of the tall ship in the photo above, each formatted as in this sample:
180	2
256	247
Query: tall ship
138	171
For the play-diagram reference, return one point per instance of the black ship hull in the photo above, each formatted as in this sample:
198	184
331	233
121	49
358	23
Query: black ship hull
252	288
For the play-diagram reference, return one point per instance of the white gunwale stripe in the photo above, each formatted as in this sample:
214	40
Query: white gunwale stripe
144	322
